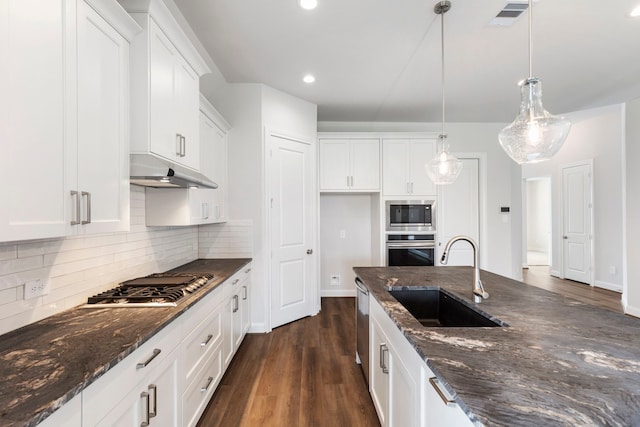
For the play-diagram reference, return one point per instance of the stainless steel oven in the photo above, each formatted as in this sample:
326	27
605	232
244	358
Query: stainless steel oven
410	249
410	215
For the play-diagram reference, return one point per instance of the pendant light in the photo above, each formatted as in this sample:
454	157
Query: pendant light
444	168
535	135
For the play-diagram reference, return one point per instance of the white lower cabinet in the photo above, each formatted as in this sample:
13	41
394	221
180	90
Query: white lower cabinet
170	379
399	380
70	415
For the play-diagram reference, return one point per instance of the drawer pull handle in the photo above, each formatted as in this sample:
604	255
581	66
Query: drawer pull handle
246	294
236	304
145	397
153	388
206	387
247	270
156	352
205	342
235	281
384	350
435	383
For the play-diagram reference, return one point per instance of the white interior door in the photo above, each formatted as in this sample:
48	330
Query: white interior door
459	213
293	213
576	190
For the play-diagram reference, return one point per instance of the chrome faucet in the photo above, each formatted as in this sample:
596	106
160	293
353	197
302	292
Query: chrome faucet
478	290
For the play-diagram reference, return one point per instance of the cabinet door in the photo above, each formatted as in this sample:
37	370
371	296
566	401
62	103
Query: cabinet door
70	415
36	111
395	180
379	373
213	164
334	164
437	412
163	136
422	151
186	101
103	152
404	391
228	348
365	164
244	305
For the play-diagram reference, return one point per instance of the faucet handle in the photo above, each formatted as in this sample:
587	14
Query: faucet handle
479	290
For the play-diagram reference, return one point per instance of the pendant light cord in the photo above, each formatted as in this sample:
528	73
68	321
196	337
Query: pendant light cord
530	39
442	58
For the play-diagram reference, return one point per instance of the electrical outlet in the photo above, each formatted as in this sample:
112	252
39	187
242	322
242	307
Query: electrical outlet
335	279
36	288
612	269
343	234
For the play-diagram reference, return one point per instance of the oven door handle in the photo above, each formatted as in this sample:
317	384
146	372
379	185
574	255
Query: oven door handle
411	245
361	287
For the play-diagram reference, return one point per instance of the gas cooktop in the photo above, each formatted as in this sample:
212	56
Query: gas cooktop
155	290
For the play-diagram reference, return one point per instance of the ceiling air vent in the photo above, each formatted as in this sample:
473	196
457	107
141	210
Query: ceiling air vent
509	14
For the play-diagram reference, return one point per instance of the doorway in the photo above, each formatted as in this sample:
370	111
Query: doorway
538	221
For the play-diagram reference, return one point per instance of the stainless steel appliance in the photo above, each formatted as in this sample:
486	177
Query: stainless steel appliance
410	215
362	327
410	249
155	290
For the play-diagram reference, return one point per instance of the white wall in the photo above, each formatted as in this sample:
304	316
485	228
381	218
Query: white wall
352	214
595	134
538	214
250	108
631	296
495	228
81	266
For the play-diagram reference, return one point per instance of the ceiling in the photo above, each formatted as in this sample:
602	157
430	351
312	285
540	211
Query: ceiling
379	60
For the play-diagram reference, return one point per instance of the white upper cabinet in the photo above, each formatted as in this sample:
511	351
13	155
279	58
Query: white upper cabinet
213	156
350	165
64	117
165	69
36	128
403	167
103	117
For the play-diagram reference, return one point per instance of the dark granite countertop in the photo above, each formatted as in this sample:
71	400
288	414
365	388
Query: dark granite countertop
45	364
559	363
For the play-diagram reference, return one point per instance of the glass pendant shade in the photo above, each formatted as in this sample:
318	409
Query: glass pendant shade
444	168
535	135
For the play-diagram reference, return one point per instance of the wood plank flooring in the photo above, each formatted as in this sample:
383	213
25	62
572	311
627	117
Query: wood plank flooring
539	276
301	374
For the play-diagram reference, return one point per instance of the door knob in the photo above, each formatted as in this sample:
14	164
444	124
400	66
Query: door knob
309	251
565	237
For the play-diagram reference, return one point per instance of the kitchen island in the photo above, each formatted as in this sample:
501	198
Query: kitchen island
45	364
559	362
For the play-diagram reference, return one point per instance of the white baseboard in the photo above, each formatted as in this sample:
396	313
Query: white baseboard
632	311
556	273
609	286
337	292
258	328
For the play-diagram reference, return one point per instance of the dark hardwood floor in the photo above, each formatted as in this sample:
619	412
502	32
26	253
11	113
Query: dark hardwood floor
539	276
301	374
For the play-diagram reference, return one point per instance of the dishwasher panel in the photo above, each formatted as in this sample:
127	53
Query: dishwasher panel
362	327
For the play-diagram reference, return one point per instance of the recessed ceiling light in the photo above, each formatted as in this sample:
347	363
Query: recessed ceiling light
309	78
308	4
635	12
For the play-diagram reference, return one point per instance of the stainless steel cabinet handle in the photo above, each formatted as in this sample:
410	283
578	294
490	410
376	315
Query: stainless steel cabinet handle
153	388
244	297
235	281
412	188
183	146
383	364
88	217
205	342
145	397
408	189
206	387
435	383
205	211
76	218
247	270
178	144
156	352
236	303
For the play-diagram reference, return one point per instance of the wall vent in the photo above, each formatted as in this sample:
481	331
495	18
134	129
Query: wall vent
509	14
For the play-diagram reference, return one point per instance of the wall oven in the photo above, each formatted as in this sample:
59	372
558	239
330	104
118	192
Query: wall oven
410	249
410	215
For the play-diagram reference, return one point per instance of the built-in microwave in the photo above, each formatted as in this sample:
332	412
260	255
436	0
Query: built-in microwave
410	215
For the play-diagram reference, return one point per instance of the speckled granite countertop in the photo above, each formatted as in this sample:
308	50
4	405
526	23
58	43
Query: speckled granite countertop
560	362
45	364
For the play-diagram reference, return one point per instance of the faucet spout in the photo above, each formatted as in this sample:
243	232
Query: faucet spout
478	289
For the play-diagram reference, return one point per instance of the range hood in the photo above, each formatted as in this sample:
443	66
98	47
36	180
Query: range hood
148	170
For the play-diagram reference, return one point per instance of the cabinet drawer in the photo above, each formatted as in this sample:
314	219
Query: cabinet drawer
100	397
199	392
200	311
201	342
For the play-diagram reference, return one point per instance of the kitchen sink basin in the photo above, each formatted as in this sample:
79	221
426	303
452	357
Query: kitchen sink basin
436	308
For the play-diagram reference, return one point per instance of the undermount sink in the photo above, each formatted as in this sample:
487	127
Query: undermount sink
436	308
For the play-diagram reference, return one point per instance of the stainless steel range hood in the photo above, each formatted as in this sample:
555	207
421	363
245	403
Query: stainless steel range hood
148	170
